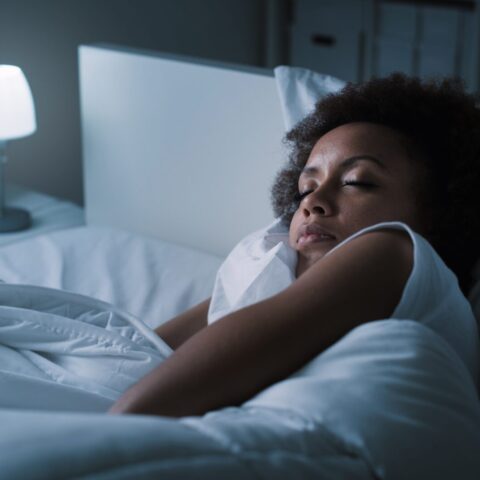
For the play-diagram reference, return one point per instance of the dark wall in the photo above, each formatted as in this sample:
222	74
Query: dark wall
42	38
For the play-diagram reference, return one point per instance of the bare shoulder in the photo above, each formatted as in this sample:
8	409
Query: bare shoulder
386	251
361	281
391	244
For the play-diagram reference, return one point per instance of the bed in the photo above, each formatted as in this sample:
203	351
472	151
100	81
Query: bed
174	150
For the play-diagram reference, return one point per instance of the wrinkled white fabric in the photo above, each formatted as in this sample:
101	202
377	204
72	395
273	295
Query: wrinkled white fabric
64	351
261	265
391	400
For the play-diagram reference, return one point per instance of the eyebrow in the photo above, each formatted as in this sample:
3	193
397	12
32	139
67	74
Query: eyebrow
348	162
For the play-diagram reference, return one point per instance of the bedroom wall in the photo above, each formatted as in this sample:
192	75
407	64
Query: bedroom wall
42	38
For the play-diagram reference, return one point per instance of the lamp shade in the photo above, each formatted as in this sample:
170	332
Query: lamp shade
17	111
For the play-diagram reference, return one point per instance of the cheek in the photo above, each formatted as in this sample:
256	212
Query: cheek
394	208
399	205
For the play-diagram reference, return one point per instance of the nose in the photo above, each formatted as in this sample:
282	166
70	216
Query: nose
316	203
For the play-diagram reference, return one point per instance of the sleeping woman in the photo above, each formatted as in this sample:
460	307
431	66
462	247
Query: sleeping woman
381	205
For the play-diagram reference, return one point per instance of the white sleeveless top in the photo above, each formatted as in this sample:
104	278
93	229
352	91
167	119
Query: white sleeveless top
263	264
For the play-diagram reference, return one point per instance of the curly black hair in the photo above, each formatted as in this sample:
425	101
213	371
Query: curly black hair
439	120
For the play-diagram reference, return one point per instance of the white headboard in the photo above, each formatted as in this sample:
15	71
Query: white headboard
181	149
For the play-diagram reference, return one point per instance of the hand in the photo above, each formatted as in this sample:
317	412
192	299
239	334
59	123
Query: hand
124	405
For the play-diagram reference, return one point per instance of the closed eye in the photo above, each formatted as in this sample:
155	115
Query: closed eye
300	196
359	184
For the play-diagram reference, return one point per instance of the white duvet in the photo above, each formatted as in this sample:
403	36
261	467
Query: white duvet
389	400
65	351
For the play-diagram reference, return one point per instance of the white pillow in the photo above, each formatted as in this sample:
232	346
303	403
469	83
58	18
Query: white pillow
149	278
260	265
299	89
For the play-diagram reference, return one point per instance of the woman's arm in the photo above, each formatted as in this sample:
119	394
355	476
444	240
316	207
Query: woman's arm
233	359
180	328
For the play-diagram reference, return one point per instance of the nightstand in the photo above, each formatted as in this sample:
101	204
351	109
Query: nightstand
48	213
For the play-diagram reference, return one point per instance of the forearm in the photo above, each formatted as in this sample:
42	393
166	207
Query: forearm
230	361
224	364
178	330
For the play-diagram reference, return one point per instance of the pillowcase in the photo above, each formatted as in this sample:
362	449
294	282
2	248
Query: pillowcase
260	265
152	279
300	89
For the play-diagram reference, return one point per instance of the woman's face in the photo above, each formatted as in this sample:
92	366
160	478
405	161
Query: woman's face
357	175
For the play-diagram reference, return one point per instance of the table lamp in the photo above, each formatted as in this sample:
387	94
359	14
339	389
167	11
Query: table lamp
17	119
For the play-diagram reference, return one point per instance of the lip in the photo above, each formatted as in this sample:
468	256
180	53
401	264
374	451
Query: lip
314	233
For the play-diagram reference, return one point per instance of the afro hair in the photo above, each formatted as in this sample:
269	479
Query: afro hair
439	120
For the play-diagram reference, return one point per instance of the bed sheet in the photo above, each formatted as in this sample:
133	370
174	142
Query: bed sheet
152	279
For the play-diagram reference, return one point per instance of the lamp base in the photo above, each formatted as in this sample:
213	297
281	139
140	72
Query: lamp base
14	219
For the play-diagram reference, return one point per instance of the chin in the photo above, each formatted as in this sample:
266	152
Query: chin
305	261
316	248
